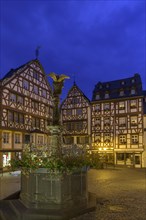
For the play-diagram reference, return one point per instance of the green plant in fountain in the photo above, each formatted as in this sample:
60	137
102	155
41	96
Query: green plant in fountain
74	159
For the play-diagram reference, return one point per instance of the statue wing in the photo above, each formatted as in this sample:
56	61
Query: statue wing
62	77
53	76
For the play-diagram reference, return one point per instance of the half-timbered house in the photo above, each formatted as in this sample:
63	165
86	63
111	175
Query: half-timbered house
76	118
25	109
117	121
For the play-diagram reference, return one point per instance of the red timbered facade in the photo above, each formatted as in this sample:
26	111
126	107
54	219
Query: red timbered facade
26	109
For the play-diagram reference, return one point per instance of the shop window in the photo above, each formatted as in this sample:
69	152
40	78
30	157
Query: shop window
134	139
122	139
17	138
120	156
6	137
6	159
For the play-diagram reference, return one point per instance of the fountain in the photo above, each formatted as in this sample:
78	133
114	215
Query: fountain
59	195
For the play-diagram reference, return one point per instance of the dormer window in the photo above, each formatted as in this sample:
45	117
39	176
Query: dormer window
122	83
106	95
100	86
133	80
107	85
97	96
121	92
133	91
106	106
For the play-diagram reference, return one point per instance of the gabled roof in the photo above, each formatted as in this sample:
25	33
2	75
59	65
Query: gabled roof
114	88
12	71
80	91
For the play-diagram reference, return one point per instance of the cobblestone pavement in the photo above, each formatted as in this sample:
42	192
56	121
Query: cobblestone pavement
120	193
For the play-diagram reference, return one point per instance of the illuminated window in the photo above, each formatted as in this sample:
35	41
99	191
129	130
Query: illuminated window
133	103
133	120
122	121
122	139
17	138
6	137
134	139
6	159
97	138
107	137
121	105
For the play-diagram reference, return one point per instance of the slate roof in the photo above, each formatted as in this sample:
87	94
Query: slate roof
144	101
114	88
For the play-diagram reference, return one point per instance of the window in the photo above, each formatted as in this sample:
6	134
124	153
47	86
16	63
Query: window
133	120
133	80
21	119
78	126
16	117
134	139
122	83
97	138
19	100
36	75
12	97
106	106
133	104
133	91
79	111
44	93
6	137
107	121
122	139
68	140
121	92
40	139
37	122
82	140
25	84
121	105
97	121
97	107
97	96
10	116
107	85
106	95
107	137
69	112
35	105
17	138
122	121
35	89
75	100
